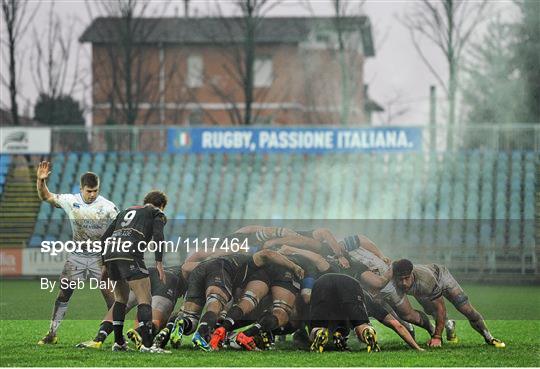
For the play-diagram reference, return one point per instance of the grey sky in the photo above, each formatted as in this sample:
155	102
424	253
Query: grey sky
396	72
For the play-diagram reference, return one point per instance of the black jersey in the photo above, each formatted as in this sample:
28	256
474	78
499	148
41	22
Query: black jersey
356	268
240	266
133	228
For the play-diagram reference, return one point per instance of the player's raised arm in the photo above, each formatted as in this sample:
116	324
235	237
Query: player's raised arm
43	172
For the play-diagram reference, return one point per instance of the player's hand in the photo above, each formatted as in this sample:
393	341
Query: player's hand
434	342
420	349
298	271
161	272
43	170
387	260
344	262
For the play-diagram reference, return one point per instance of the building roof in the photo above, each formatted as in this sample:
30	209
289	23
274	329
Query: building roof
222	30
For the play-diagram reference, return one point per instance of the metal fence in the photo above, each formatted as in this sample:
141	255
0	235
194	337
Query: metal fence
153	138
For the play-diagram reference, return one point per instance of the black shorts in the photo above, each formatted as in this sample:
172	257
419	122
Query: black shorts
168	290
276	275
210	273
337	300
129	270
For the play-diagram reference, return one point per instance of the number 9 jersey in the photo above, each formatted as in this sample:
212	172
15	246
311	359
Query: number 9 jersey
132	229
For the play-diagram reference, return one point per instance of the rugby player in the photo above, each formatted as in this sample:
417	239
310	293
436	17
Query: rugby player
429	284
276	281
89	214
211	285
164	297
337	301
369	282
363	250
133	227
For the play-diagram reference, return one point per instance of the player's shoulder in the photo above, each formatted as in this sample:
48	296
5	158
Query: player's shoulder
69	196
155	212
68	200
105	202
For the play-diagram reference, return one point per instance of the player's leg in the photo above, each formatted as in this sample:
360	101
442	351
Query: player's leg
104	330
161	310
121	296
282	306
69	273
141	289
254	292
216	299
461	302
94	271
323	304
218	293
351	300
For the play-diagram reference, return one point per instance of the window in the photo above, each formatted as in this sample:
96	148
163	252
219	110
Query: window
263	72
194	71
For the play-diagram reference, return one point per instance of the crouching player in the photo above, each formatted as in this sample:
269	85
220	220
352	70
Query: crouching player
337	301
429	284
164	297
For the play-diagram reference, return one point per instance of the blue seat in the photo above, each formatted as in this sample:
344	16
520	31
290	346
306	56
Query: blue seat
35	241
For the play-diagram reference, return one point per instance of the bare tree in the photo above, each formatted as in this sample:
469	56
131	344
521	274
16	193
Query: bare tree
347	56
52	59
342	36
239	59
17	17
126	79
448	25
394	107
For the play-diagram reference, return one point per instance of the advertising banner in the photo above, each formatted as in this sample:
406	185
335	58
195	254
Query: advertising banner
25	140
10	262
294	140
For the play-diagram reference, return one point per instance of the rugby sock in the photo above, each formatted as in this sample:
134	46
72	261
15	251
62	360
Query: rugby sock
480	326
119	314
105	329
208	322
234	315
59	312
144	316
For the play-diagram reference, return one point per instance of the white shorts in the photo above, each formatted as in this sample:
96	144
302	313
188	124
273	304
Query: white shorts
79	267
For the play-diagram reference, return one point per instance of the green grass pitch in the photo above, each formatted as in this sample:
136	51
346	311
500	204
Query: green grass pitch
513	314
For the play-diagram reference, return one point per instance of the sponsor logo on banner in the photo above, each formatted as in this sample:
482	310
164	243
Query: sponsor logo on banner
40	263
10	262
291	140
25	140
